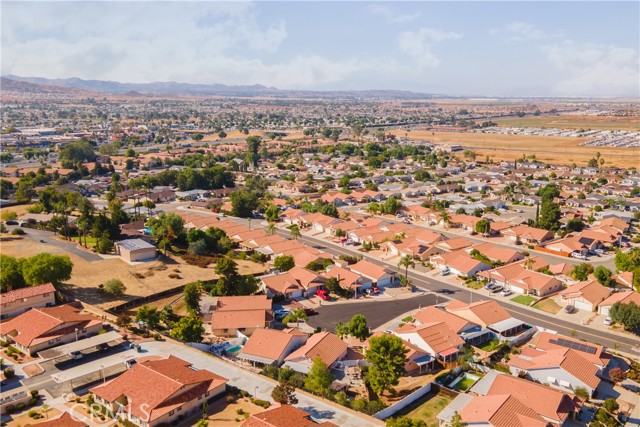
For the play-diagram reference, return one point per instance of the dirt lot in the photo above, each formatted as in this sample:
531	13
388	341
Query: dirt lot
555	150
141	280
226	414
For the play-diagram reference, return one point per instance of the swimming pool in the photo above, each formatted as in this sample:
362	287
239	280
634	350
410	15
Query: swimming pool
232	351
464	382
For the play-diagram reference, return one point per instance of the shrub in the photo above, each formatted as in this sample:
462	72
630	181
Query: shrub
18	232
33	413
10	409
616	375
33	401
582	392
239	411
20	406
262	403
34	393
231	399
9	373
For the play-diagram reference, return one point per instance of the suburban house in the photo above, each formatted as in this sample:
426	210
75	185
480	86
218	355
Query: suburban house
279	415
594	353
472	333
562	368
412	247
454	244
552	405
64	420
13	303
497	253
324	345
228	316
297	282
348	279
379	276
585	295
436	338
490	315
42	328
625	297
132	250
460	263
527	234
500	410
159	392
270	346
530	282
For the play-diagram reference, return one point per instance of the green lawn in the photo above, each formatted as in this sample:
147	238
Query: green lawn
429	409
523	299
548	305
91	241
474	285
490	345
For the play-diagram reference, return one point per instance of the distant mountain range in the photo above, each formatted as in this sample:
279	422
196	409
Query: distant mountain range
174	88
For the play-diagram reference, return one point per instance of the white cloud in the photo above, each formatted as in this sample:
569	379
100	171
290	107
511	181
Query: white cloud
522	31
390	16
419	44
594	69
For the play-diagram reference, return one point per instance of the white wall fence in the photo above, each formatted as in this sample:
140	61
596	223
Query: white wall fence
389	411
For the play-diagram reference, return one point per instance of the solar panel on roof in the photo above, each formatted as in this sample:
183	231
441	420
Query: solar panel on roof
574	345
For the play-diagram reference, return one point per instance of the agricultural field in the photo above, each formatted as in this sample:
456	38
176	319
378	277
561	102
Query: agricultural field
567	121
553	150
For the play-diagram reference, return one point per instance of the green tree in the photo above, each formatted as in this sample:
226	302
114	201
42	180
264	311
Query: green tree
550	214
77	152
192	294
603	275
244	202
628	261
626	314
483	226
332	285
581	272
391	206
45	268
295	232
358	327
10	273
198	247
319	378
197	136
610	405
387	356
406	262
295	316
114	287
456	420
253	147
272	213
166	229
284	393
148	315
230	282
284	263
188	329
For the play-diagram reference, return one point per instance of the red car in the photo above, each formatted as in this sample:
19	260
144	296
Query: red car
323	294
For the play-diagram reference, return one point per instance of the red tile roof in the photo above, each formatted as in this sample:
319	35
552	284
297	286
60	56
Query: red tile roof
153	388
27	292
283	416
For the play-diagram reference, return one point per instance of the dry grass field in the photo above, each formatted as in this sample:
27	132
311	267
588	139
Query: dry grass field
566	121
141	279
553	150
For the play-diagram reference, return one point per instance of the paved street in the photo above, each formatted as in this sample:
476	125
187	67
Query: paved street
51	240
536	317
377	312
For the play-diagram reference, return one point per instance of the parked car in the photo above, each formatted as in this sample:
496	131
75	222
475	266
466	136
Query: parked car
599	251
372	291
608	321
495	288
445	271
75	355
506	292
579	255
322	294
11	222
569	308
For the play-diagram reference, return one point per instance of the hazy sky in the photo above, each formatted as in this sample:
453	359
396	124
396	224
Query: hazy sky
503	48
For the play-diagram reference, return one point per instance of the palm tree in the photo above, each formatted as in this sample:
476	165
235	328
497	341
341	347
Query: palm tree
45	408
271	228
406	262
529	263
295	231
445	218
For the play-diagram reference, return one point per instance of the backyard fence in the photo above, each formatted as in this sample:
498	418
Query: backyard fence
408	400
